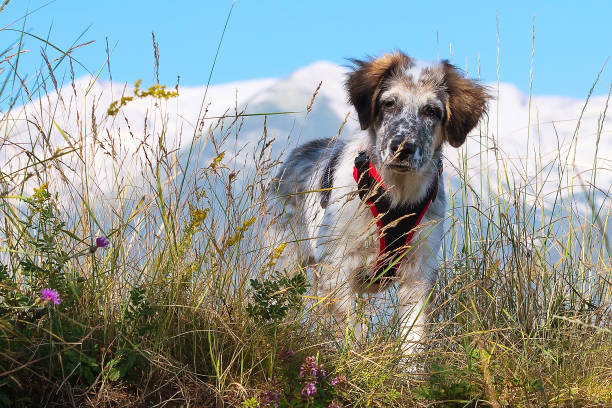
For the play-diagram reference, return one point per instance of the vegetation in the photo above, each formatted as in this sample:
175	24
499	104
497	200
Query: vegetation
160	290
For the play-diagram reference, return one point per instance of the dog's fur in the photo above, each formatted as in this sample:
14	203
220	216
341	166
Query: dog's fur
407	110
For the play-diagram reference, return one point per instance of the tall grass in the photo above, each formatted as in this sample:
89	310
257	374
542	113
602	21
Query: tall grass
184	308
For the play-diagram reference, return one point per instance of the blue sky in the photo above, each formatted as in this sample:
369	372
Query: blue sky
271	38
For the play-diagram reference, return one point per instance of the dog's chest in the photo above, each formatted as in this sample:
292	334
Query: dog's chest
372	245
359	236
352	228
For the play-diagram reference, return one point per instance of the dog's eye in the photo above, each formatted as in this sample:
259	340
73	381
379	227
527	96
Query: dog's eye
389	104
431	111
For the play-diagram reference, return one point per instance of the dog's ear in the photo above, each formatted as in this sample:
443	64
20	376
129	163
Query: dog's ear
466	103
365	82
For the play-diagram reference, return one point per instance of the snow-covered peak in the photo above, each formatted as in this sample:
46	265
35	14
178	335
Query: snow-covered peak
517	125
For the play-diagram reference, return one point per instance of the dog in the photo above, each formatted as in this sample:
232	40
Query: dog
369	211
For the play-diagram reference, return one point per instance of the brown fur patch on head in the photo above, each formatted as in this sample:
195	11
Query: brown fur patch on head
465	105
366	81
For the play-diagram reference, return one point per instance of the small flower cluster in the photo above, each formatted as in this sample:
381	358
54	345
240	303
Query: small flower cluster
316	385
271	397
311	372
41	192
310	368
216	161
156	91
278	251
197	215
239	232
286	354
309	389
334	404
339	379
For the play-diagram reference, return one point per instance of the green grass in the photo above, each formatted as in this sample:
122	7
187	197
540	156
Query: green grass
184	307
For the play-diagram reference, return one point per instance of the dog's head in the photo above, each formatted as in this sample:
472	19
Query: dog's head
411	108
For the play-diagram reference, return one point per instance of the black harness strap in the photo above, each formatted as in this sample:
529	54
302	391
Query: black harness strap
395	224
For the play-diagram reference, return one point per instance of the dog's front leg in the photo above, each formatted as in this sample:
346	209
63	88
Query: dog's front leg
335	293
413	299
338	261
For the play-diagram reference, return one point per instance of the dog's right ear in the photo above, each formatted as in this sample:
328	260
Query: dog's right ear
365	83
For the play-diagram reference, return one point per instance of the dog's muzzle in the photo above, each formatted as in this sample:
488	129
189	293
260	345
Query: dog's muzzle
402	150
404	155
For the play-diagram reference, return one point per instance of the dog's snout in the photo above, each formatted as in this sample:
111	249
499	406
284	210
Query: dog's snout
402	149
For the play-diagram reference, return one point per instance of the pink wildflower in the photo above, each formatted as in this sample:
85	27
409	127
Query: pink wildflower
283	355
310	368
271	398
309	390
338	379
50	295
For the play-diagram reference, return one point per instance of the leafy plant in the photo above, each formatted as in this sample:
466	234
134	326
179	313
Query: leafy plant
126	365
274	297
250	403
44	257
138	312
128	362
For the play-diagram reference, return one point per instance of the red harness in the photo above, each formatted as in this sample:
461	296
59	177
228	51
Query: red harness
396	225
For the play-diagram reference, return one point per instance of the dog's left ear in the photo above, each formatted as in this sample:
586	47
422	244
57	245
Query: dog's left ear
466	103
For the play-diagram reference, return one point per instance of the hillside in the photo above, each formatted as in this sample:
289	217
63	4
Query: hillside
134	268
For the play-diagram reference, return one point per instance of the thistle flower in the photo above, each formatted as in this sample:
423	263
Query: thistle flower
309	390
50	295
101	242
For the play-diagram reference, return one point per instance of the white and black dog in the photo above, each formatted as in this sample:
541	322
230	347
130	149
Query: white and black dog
369	211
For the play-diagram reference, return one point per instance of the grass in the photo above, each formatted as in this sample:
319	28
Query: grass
185	308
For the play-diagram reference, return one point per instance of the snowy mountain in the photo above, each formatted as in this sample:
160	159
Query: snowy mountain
552	129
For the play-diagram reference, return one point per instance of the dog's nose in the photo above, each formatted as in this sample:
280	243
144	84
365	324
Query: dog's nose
402	150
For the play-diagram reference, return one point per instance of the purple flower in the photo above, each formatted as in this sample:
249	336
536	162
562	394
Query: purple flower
310	368
338	379
334	404
309	390
50	295
101	242
271	398
283	355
